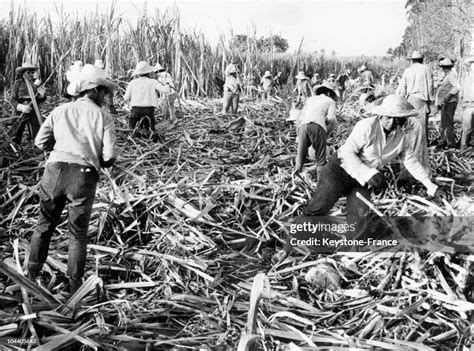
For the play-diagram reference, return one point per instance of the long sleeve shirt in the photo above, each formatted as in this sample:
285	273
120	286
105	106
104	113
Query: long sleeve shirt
448	90
266	83
303	87
143	92
366	78
416	81
78	132
368	149
467	92
319	109
232	84
20	95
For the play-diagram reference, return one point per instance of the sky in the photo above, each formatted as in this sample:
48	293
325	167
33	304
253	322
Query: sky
347	27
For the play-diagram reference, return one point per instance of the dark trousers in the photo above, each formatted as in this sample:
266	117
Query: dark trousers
30	121
333	184
447	123
64	183
311	134
144	117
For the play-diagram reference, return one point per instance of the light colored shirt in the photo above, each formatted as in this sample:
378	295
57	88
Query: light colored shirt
416	81
81	132
232	84
366	78
368	149
303	87
142	92
319	109
467	91
266	83
448	90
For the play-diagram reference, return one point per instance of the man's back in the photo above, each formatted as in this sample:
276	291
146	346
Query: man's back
416	81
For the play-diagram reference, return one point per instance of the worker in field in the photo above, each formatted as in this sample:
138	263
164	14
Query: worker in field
142	93
166	80
446	99
366	78
109	98
72	73
232	90
302	87
467	95
266	85
416	84
26	94
81	138
316	121
316	80
355	168
341	80
278	81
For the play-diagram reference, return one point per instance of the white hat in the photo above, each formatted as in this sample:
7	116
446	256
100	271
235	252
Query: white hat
394	106
231	69
143	67
159	67
267	74
74	71
90	77
301	75
446	63
416	55
99	63
76	66
26	67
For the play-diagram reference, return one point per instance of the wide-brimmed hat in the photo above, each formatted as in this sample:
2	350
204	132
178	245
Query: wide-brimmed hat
76	66
301	75
326	88
267	74
99	63
361	68
416	55
394	106
143	67
26	67
446	62
159	67
90	77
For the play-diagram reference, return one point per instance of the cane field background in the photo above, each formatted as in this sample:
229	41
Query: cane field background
183	231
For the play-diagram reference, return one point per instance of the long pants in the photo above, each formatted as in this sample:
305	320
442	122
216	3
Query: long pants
64	183
467	138
447	123
418	132
311	134
30	121
168	106
333	184
143	116
231	101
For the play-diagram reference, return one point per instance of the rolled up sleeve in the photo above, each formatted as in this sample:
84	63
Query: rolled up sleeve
109	140
349	154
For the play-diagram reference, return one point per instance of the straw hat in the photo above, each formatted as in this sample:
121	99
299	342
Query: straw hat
90	77
416	55
26	67
74	71
446	62
143	67
267	74
394	106
159	67
362	68
301	75
99	63
232	69
326	88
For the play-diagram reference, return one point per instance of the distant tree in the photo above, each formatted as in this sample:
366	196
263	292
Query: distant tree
280	44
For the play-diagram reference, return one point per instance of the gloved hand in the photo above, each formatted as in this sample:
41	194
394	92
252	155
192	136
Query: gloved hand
23	108
377	182
41	91
37	82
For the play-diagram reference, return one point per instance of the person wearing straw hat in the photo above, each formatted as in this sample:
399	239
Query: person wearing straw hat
142	93
109	98
81	137
446	99
416	84
302	87
341	80
316	79
25	96
366	78
373	143
73	73
232	90
467	95
317	120
266	85
166	80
